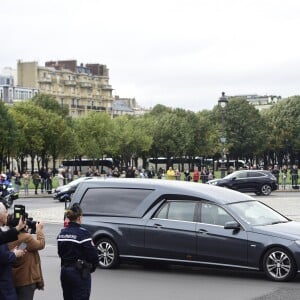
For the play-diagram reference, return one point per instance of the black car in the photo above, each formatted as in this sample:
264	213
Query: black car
260	182
64	192
181	222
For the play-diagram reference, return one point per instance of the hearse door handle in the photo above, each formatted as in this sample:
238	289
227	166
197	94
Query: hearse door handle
157	225
202	231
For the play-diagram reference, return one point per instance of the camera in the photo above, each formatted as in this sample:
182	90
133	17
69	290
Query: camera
31	224
19	212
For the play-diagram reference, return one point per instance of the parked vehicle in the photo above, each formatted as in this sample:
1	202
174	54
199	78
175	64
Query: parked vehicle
236	164
260	182
180	222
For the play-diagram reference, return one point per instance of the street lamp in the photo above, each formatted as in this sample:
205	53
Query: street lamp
222	102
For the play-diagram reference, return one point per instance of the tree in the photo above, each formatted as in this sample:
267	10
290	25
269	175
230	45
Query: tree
171	134
160	109
242	122
8	135
29	123
58	139
94	131
283	123
49	103
132	139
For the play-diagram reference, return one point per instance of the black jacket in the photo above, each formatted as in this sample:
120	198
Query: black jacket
75	242
8	236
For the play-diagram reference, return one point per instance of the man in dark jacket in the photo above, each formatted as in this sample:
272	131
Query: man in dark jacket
7	289
11	234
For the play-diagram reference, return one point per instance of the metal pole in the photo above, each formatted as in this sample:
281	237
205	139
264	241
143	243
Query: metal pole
223	167
223	103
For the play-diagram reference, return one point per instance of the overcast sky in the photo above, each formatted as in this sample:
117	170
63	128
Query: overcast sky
176	53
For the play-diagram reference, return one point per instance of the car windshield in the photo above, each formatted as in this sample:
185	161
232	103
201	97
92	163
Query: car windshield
256	213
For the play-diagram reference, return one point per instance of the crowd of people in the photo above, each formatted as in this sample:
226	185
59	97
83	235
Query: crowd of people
203	175
42	180
283	174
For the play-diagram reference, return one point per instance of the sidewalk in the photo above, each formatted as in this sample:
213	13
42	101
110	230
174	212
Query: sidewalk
31	194
288	188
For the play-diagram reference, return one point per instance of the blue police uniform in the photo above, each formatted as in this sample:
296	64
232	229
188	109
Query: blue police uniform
75	243
7	289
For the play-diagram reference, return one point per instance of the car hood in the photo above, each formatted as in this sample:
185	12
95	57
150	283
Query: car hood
289	230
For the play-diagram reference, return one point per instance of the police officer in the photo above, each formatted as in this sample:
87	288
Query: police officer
78	255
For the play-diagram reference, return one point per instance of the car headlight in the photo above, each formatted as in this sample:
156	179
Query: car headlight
213	182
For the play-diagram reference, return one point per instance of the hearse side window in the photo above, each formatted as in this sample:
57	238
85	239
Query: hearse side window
113	201
178	210
214	214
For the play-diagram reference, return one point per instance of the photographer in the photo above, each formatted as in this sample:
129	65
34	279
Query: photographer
78	255
7	290
27	272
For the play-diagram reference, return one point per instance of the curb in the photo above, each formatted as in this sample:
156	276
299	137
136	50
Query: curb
31	194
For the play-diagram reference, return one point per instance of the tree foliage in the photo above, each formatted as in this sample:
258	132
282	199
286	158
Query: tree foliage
39	128
49	103
242	127
7	134
94	135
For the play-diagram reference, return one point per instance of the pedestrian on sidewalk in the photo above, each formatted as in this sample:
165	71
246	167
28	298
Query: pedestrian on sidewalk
284	171
196	174
26	181
294	175
275	172
17	182
36	181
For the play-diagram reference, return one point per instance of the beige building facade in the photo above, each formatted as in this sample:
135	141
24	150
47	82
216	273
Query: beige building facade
259	102
82	88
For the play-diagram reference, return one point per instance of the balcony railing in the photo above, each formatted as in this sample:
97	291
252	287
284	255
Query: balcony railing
85	84
106	87
99	108
70	82
45	80
81	107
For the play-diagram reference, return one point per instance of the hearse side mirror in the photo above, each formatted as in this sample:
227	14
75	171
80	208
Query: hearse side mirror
232	225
